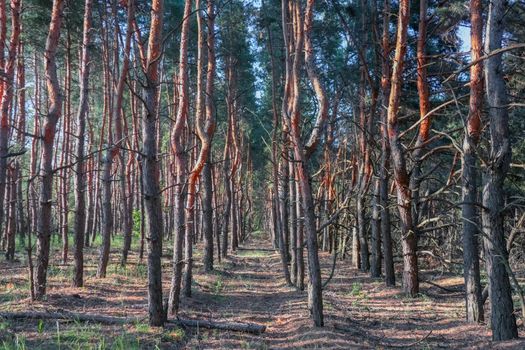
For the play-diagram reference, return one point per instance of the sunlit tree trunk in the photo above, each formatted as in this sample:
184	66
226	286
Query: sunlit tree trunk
470	174
46	152
205	128
301	29
409	239
7	89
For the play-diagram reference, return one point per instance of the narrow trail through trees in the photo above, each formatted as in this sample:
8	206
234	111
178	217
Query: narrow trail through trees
248	287
361	312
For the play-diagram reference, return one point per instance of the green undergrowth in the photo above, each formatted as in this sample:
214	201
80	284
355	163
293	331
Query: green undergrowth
78	335
255	253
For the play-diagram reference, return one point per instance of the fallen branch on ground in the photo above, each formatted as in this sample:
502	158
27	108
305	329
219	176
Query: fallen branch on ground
226	326
406	346
66	315
440	287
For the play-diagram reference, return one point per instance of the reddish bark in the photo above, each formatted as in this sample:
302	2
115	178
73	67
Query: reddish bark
7	89
470	174
205	128
409	239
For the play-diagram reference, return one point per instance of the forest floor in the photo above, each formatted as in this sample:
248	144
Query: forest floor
360	312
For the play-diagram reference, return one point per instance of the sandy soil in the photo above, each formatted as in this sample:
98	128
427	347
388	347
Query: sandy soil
360	313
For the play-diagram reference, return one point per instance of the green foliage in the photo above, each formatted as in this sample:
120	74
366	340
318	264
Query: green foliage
254	253
218	285
40	326
18	343
357	289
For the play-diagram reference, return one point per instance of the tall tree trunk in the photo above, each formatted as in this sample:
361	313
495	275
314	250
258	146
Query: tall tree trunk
46	153
470	174
63	181
207	183
106	158
502	320
80	171
150	176
118	139
291	115
205	129
34	149
7	90
23	223
207	213
227	194
424	118
409	239
388	256
180	162
4	117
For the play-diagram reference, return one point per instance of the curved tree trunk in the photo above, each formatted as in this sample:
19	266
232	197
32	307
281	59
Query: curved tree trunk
409	239
180	163
47	148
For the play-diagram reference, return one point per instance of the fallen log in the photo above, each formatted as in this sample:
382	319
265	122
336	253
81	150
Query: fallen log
226	326
66	315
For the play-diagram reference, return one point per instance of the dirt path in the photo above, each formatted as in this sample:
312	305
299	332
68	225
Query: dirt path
360	313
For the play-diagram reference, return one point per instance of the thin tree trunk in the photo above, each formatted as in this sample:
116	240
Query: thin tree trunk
388	256
46	157
4	117
80	171
7	90
293	224
300	235
10	228
375	265
180	162
23	223
283	205
205	130
470	174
